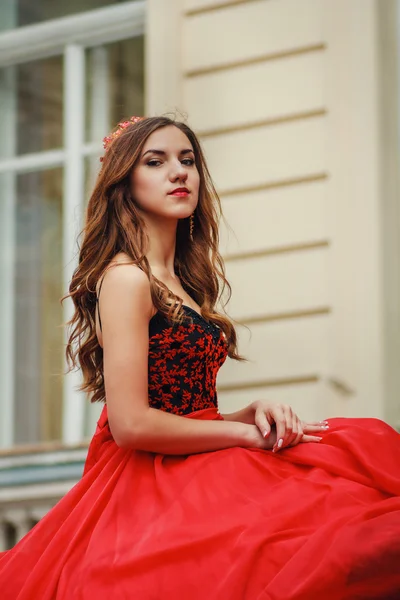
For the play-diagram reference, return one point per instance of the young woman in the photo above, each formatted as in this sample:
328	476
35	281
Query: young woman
176	500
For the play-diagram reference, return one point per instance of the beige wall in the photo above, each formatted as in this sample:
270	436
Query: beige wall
284	95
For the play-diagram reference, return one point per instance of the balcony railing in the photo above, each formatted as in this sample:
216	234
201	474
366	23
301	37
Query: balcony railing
32	480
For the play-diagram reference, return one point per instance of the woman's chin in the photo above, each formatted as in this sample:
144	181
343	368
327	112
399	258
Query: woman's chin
182	212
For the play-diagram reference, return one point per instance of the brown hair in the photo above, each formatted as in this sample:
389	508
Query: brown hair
113	224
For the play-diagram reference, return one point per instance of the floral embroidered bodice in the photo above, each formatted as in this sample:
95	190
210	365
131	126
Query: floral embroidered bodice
184	361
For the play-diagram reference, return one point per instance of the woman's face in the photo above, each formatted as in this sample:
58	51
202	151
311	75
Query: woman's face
166	163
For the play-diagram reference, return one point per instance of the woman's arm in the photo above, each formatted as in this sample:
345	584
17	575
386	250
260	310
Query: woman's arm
126	309
163	432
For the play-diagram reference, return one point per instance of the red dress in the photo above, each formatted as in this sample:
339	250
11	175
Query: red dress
314	521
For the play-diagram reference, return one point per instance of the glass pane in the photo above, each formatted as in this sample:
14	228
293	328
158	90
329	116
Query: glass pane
16	13
31	93
127	79
37	275
92	168
115	85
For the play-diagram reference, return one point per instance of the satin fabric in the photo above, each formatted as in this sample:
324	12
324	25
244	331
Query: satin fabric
320	520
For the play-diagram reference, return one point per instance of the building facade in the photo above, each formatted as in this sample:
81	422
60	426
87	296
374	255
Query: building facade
296	103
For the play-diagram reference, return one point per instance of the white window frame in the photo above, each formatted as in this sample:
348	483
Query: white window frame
68	37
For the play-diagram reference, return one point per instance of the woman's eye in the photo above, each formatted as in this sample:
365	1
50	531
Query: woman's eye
186	161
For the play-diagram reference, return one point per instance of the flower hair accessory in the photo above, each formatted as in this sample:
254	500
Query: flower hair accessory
120	128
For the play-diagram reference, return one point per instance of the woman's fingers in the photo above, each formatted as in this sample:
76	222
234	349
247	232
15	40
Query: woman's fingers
290	430
279	417
260	419
295	424
282	416
297	432
288	417
310	438
293	429
315	427
300	433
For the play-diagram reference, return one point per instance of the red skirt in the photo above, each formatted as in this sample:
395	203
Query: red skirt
314	521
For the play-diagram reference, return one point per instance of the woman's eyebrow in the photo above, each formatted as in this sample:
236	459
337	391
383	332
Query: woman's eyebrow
163	153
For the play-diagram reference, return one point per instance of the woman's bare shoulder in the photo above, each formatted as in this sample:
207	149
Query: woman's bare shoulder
127	274
126	285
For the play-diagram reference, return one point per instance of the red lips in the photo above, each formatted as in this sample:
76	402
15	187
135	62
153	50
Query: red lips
180	189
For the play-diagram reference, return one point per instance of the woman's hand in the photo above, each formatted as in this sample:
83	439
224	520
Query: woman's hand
290	430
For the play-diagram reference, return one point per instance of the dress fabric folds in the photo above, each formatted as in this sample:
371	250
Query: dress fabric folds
313	521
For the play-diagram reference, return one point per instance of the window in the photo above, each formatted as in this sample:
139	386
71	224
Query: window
56	104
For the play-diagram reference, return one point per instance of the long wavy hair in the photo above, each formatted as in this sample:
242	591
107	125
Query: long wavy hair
114	224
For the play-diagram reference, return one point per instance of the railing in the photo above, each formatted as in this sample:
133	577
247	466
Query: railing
32	480
15	523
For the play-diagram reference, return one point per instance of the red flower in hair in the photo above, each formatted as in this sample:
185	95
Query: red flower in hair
121	126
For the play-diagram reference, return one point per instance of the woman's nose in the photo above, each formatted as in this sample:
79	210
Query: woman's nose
179	172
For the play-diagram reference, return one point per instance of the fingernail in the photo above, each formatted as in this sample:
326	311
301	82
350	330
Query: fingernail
320	438
278	445
265	433
325	426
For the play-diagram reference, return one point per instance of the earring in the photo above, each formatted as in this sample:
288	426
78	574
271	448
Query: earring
191	226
